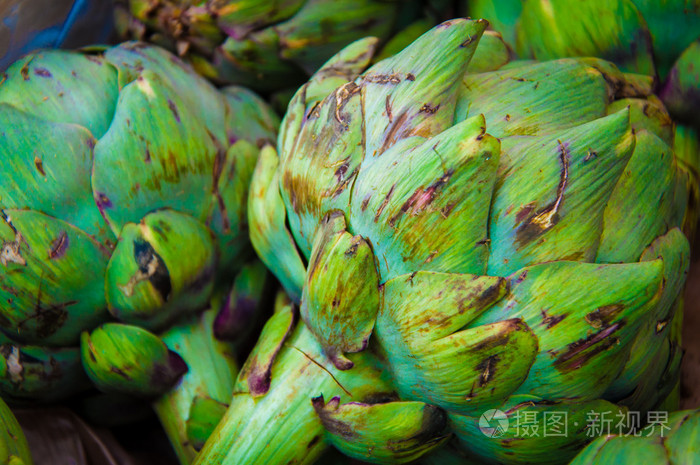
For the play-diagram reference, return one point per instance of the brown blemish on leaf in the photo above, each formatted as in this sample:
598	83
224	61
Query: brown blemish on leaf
492	342
342	95
583	350
342	169
354	244
394	78
161	228
92	351
301	191
391	134
482	298
447	209
375	398
660	325
487	368
150	268
329	239
521	277
315	110
39	166
219	160
59	246
430	257
43	72
173	108
387	106
544	219
524	212
48	319
385	202
602	317
11	252
257	371
24	71
365	202
468	41
421	198
120	372
102	201
427	108
551	320
94	59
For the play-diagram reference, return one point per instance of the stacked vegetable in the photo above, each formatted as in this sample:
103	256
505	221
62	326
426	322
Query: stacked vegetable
459	235
123	201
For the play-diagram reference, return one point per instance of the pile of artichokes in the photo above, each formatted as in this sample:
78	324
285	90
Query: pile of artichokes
465	244
268	44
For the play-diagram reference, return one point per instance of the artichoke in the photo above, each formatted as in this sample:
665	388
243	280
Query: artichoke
656	38
498	236
267	45
123	216
670	439
28	25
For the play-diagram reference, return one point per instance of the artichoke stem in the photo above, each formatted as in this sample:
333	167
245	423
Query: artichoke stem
211	376
281	426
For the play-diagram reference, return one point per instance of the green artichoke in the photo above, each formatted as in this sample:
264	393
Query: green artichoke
671	439
124	198
267	45
127	147
507	239
652	37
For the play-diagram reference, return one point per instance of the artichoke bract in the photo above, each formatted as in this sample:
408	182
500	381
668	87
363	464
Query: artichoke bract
508	238
121	358
263	44
674	439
